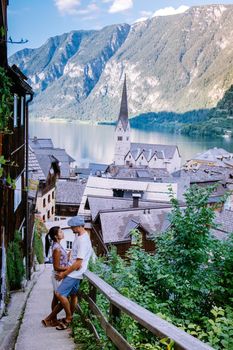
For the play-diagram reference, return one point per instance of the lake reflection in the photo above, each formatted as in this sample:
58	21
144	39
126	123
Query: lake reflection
95	143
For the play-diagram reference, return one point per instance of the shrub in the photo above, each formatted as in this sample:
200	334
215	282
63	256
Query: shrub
15	267
6	101
38	244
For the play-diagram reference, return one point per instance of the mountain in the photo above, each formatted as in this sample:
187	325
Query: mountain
174	63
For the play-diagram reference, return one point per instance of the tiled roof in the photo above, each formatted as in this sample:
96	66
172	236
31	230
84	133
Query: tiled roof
110	203
40	143
95	168
205	173
58	153
45	162
216	155
139	173
69	192
34	168
116	224
35	173
160	151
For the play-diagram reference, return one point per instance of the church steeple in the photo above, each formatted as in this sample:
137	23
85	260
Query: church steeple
123	116
122	131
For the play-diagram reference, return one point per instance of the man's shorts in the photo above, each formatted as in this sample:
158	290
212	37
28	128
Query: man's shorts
68	286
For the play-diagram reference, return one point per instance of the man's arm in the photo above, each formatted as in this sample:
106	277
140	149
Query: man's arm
75	266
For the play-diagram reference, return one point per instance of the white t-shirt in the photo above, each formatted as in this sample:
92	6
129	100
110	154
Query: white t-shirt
82	249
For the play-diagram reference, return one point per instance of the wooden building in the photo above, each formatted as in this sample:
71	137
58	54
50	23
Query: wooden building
14	150
113	219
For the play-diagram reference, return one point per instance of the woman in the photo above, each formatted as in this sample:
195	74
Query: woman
60	262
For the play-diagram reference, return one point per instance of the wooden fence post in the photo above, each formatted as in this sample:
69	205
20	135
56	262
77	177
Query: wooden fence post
92	292
114	314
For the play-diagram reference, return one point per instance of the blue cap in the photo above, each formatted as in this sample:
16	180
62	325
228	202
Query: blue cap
76	221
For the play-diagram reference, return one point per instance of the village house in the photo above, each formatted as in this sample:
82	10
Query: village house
14	211
141	154
149	221
45	147
212	157
95	204
44	173
219	177
68	197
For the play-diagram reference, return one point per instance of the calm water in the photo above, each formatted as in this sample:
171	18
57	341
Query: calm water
95	143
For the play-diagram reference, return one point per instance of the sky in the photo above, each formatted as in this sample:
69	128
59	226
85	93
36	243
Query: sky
37	20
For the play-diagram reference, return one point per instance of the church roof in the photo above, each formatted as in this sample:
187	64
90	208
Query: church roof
149	150
123	115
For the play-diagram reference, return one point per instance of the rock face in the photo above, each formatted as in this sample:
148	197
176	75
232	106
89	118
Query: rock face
173	63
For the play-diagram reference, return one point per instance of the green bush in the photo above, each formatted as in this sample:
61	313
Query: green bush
15	267
38	244
188	281
6	100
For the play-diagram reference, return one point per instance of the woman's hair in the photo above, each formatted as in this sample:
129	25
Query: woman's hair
50	237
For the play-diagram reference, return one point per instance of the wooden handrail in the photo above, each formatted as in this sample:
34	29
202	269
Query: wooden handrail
155	324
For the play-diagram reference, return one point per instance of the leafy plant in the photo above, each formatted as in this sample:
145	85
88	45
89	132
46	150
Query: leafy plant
38	244
188	281
15	267
6	100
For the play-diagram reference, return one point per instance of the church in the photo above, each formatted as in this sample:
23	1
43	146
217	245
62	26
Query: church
142	155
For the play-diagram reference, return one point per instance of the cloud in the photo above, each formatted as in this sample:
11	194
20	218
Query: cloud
167	11
72	7
144	16
67	6
146	13
120	5
89	9
141	19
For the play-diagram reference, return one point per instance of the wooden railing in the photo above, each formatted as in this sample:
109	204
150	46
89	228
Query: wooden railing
118	304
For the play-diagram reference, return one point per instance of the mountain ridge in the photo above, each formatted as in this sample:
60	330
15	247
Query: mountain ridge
173	63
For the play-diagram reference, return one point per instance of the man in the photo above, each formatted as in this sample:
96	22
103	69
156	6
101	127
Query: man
80	255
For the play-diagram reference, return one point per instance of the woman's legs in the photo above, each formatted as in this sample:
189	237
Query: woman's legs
54	301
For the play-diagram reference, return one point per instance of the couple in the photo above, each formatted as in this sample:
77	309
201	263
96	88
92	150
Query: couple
70	274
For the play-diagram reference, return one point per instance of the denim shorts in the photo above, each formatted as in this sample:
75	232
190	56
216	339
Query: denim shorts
68	286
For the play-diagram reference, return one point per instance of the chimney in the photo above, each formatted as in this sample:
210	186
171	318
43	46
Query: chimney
136	197
35	139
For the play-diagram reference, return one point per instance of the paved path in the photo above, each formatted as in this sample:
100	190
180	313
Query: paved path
32	334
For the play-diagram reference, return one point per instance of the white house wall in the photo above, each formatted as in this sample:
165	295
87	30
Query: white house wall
43	211
175	162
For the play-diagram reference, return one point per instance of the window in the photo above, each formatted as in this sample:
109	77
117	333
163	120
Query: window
15	109
22	110
68	245
120	138
49	198
48	214
142	157
129	156
52	210
17	192
44	202
53	194
44	218
127	138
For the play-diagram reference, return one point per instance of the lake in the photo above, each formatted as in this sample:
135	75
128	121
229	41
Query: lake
95	143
